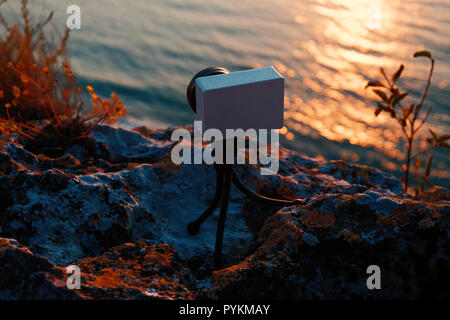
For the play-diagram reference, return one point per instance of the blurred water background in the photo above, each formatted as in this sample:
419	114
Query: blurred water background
147	51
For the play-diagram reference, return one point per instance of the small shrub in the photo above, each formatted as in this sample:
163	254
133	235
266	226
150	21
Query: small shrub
39	95
411	120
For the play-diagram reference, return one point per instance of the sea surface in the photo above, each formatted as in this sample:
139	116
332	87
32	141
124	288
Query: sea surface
147	51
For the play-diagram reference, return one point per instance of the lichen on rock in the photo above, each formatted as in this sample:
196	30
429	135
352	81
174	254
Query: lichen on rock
93	205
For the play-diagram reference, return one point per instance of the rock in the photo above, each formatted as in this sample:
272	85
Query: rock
136	271
322	250
67	161
26	276
131	146
64	215
130	271
436	194
93	205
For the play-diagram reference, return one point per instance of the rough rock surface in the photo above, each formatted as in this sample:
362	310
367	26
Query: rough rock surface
92	206
130	271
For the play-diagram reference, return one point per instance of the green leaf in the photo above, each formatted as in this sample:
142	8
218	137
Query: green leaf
427	180
397	75
392	113
383	73
378	110
443	138
408	111
381	107
392	96
374	84
422	54
382	95
399	98
428	166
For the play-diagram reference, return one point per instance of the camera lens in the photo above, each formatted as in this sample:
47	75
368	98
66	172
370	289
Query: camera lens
190	93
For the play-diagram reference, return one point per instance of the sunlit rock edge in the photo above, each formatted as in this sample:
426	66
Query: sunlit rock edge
118	209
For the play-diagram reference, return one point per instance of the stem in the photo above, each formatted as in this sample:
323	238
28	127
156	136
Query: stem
423	120
96	123
24	125
414	131
423	151
80	137
401	125
408	162
26	135
419	106
42	90
29	78
53	110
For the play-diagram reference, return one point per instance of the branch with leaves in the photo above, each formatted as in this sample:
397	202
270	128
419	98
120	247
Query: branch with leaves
411	120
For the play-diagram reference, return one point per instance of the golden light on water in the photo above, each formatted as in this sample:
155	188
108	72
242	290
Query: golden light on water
352	40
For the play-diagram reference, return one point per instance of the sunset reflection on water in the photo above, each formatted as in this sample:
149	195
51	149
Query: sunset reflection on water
327	50
350	42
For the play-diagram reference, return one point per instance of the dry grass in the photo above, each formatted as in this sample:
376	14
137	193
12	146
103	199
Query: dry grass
39	95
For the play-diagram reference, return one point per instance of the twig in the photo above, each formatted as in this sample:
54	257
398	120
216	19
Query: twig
45	91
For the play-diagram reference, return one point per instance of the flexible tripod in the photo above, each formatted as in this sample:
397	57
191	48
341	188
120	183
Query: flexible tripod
225	176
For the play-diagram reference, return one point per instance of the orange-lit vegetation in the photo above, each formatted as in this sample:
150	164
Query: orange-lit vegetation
411	120
39	95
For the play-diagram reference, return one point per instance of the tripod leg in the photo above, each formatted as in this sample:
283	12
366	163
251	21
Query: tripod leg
194	226
228	177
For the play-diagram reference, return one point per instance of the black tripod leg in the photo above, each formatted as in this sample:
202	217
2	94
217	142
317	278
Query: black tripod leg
194	226
228	178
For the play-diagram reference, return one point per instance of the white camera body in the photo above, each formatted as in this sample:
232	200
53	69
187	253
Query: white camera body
250	99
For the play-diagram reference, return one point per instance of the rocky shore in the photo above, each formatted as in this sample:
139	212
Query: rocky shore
117	207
